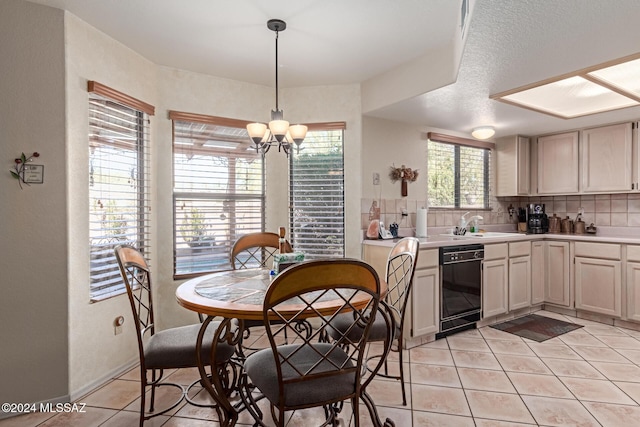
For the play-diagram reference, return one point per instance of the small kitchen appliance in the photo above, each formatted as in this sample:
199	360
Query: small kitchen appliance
537	220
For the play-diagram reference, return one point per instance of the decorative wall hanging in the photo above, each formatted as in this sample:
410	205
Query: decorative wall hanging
404	174
25	173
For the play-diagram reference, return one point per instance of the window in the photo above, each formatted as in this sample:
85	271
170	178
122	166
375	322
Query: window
218	191
458	173
118	184
317	193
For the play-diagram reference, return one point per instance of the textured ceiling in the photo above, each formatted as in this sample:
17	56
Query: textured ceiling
510	43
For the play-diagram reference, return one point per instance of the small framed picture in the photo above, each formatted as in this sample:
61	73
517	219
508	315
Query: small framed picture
33	174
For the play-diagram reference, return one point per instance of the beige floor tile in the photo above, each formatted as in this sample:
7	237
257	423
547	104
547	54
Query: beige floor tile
539	385
556	351
599	354
125	418
446	376
441	344
611	415
518	348
439	399
470	333
621	342
432	419
498	406
631	389
618	371
165	397
432	356
189	422
581	338
597	391
468	344
184	376
549	411
92	417
604	330
401	417
525	364
117	394
573	368
493	423
631	355
26	420
484	379
203	413
474	359
384	395
490	333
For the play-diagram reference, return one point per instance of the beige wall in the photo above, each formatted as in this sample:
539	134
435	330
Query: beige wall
33	266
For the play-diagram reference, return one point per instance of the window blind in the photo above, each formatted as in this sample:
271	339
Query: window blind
458	175
218	191
316	194
119	167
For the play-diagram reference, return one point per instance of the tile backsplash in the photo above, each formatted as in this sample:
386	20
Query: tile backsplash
615	210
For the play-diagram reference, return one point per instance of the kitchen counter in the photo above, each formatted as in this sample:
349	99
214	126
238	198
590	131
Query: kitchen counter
625	235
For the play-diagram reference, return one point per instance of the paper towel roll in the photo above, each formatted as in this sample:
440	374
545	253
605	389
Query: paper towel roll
421	223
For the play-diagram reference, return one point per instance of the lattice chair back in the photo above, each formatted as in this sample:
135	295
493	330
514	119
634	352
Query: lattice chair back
137	279
401	266
256	250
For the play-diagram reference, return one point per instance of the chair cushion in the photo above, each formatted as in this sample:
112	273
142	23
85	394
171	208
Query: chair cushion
176	347
343	322
261	368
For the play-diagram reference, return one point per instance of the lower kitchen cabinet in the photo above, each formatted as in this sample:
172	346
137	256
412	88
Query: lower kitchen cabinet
598	278
425	318
495	280
599	286
633	291
537	272
557	286
519	275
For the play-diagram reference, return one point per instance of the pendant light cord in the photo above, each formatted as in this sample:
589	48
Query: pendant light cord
277	70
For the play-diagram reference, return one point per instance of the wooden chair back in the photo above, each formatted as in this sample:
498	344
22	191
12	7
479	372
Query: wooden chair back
401	266
255	250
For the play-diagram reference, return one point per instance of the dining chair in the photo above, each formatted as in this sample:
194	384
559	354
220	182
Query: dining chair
308	373
167	349
255	250
401	265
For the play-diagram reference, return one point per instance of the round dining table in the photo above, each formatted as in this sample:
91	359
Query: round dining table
234	296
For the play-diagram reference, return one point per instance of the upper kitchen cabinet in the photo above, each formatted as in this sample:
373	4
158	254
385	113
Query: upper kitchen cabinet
606	159
513	166
558	164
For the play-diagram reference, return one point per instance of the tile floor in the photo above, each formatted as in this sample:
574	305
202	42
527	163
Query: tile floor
481	378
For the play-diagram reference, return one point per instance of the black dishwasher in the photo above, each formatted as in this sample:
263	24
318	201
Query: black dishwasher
460	287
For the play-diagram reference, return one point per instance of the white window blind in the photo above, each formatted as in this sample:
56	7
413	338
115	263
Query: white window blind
119	167
218	191
458	175
316	186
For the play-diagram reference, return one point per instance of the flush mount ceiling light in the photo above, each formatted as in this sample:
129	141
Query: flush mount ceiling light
279	132
483	132
596	89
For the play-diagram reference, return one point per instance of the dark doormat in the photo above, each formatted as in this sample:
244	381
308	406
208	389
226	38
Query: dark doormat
537	328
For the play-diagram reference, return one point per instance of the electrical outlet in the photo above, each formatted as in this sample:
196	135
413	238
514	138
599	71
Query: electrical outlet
376	178
404	212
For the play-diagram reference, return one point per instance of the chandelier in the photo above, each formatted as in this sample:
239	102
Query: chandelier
278	132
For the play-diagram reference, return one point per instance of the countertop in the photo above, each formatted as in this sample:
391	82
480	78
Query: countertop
438	237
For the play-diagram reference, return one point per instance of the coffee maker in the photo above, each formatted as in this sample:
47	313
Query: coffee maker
537	220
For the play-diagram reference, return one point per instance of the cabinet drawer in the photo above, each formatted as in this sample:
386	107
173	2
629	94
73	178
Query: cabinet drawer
633	253
519	249
598	250
427	258
497	251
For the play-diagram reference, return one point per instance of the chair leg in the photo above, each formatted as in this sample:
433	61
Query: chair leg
356	411
404	393
143	395
153	391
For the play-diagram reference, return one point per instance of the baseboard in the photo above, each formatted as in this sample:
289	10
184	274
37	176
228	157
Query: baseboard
114	373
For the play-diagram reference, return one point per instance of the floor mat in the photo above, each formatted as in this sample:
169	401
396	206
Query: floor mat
537	328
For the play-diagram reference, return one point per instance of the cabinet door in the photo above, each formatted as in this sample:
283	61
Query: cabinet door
512	166
558	164
519	282
633	291
606	159
425	302
494	287
557	285
537	269
598	286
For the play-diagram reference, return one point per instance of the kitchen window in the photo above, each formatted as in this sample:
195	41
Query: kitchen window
458	172
316	193
218	191
119	167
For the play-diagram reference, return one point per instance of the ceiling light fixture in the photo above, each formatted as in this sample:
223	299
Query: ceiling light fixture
279	132
483	132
